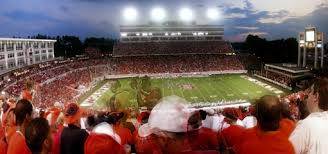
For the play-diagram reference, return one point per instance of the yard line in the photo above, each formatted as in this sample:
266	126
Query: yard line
191	94
204	99
215	90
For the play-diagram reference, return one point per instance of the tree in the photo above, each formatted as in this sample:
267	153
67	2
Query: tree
104	44
68	46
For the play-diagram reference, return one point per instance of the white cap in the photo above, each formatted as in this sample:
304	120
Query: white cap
170	114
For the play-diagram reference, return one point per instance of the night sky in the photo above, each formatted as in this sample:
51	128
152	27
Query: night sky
272	19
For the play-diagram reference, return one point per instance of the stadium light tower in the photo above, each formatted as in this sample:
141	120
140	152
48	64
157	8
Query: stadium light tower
212	14
158	14
130	14
185	14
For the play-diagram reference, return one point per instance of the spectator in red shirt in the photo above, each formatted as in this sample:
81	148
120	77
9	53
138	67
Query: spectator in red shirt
231	135
23	113
38	136
266	137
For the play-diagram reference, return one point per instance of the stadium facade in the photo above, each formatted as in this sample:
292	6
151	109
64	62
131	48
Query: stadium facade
171	38
171	32
17	52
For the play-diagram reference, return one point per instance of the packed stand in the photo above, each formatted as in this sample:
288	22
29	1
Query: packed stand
52	72
170	127
276	77
175	64
171	48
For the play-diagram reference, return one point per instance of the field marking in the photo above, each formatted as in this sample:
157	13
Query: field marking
239	91
197	89
208	92
214	86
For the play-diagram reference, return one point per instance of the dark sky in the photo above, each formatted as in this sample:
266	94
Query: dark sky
271	19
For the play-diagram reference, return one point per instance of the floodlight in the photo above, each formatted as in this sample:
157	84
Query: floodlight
158	14
309	36
130	14
124	34
3	92
212	14
185	14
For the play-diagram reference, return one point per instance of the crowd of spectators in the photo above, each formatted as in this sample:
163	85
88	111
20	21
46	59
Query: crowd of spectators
176	64
75	73
171	48
170	127
60	74
275	77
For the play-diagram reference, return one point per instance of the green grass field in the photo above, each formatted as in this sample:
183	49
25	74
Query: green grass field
196	89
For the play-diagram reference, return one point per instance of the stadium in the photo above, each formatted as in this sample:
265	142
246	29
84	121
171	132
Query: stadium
150	64
173	58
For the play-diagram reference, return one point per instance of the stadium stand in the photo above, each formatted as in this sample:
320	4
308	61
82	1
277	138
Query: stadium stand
171	48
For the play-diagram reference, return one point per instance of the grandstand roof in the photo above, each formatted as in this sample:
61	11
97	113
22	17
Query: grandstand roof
288	69
23	39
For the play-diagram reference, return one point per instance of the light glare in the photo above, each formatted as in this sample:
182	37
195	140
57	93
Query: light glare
212	14
158	14
185	14
130	14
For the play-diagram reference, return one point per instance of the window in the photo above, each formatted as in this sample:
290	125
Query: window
2	66
44	51
11	55
49	50
50	45
20	62
11	64
35	45
19	46
2	47
37	58
50	57
2	57
44	57
20	54
43	45
36	52
10	47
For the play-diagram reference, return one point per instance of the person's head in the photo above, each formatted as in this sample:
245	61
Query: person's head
105	117
286	111
268	112
143	117
73	114
5	106
203	114
91	121
195	121
318	96
230	115
23	112
38	136
168	119
9	119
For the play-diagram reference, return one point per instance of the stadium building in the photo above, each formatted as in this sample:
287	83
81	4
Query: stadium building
16	52
171	38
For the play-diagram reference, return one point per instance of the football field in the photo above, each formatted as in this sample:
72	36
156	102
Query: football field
194	89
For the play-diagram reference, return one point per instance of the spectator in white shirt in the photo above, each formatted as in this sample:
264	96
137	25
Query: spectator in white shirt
311	134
